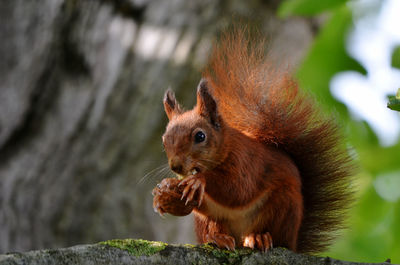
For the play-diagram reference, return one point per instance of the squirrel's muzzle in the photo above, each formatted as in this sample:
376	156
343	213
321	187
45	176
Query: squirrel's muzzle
176	166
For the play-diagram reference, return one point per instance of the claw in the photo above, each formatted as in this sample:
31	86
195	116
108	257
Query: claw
193	190
267	241
184	181
222	240
185	191
161	213
157	209
193	185
259	242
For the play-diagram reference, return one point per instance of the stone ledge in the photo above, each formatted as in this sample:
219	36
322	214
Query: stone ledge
137	251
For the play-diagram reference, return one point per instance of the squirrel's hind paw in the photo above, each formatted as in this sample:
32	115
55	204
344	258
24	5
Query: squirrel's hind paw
222	240
262	242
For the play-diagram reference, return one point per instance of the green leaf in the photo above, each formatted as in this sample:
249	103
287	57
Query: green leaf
396	57
375	159
307	7
394	102
327	57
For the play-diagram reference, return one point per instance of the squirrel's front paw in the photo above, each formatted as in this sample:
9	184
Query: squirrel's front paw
167	198
262	242
193	184
222	240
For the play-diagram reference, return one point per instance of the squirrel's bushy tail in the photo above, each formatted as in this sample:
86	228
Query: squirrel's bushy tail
267	105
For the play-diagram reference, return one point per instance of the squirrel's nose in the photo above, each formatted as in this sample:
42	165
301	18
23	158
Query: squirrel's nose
176	166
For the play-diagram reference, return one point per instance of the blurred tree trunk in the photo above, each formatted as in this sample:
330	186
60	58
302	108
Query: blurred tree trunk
81	84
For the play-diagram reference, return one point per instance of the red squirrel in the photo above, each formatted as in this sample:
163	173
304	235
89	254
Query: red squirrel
261	166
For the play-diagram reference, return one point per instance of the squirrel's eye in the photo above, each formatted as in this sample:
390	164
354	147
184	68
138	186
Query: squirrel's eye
199	137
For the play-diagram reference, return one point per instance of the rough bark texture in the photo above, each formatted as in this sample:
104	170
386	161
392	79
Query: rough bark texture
157	253
81	84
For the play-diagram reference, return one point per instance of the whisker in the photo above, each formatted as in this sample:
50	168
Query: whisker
170	174
158	169
164	171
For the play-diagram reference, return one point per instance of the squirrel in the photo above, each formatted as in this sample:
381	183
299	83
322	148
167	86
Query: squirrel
261	166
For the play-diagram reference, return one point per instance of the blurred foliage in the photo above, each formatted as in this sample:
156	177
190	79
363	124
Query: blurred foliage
394	102
329	55
374	230
307	7
396	57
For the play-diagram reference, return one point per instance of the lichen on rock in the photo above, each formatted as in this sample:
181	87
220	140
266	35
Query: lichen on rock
136	247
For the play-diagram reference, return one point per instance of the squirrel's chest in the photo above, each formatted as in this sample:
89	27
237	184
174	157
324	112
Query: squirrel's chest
237	219
220	211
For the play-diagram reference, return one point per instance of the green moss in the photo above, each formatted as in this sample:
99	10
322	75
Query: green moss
136	247
139	247
189	246
231	256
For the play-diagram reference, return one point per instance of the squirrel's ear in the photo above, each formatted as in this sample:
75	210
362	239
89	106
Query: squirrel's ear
206	104
171	106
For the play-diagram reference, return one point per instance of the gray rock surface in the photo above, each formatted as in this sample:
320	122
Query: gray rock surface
144	252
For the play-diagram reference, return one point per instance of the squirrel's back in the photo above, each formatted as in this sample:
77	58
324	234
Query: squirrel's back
267	105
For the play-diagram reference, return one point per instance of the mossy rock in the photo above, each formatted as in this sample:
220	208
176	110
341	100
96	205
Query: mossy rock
137	247
138	251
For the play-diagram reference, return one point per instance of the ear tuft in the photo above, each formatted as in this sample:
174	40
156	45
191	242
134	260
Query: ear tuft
207	106
171	106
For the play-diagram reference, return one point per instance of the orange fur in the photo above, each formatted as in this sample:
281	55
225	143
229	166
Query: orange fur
270	163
